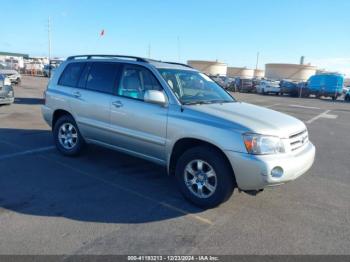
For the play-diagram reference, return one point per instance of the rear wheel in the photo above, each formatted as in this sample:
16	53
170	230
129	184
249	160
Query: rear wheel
347	98
67	137
204	177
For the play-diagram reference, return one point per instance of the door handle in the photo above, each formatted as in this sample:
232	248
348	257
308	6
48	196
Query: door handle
117	104
77	94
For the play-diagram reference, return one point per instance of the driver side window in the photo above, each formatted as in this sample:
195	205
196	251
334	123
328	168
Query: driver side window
135	81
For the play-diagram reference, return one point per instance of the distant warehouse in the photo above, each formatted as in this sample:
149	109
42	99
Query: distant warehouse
14	60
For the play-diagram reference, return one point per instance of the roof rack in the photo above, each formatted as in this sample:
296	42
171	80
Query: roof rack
136	58
175	63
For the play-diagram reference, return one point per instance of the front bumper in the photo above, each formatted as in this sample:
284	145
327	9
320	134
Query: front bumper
6	100
253	172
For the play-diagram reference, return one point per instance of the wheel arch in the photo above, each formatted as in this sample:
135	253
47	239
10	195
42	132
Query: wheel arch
184	144
59	113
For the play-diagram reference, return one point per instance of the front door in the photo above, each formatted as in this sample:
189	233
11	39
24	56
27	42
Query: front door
138	126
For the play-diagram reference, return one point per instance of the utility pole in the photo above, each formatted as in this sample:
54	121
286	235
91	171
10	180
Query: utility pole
257	60
49	41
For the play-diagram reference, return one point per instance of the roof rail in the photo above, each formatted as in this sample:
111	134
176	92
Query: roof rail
175	63
138	59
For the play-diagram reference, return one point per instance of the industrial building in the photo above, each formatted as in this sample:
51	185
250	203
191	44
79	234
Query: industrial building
295	72
212	68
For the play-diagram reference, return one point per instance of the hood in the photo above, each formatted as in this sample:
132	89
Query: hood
251	118
8	72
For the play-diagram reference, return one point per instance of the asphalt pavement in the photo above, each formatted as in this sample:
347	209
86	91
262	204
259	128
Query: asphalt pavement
105	202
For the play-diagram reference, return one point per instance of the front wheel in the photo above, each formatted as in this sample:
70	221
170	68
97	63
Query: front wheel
204	177
67	137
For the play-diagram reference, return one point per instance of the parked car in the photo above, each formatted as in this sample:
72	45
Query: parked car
218	80
11	74
289	87
48	70
175	116
6	91
347	96
327	85
256	83
268	87
244	85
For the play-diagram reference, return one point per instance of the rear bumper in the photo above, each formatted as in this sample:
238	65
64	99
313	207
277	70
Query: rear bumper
253	172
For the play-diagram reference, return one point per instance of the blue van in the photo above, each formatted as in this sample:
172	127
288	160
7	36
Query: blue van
328	85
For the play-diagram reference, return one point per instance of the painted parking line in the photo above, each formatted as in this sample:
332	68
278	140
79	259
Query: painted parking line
306	107
272	105
133	192
325	114
27	152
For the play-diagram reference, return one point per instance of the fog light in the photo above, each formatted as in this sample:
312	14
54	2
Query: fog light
277	172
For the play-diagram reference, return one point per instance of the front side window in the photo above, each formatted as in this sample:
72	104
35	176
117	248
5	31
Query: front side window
102	77
71	74
192	87
135	81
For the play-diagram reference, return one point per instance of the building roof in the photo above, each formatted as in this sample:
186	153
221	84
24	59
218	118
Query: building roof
14	54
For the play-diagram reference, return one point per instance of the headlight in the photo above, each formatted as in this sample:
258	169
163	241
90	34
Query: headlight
263	145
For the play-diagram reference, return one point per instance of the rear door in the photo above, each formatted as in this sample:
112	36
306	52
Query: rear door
138	126
92	99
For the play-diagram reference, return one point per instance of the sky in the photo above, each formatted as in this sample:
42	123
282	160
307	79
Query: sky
231	31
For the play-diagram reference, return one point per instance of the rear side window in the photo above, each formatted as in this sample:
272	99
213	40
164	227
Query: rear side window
71	74
102	77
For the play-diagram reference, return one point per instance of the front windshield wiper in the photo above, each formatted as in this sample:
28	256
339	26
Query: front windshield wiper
202	102
196	102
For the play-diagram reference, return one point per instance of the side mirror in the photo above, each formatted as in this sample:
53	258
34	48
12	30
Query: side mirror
155	97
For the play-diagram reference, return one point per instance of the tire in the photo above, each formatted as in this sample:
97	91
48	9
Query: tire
334	98
74	147
263	92
347	98
222	182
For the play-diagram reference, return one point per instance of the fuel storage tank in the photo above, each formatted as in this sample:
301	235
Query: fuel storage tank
295	72
212	68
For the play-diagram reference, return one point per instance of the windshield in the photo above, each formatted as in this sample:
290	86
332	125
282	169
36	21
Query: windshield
192	87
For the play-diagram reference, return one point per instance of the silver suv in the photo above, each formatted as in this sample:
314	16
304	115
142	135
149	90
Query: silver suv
175	116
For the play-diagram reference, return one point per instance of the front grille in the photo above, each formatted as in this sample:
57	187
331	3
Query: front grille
298	140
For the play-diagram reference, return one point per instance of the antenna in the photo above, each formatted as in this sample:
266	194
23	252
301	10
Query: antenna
149	51
178	49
